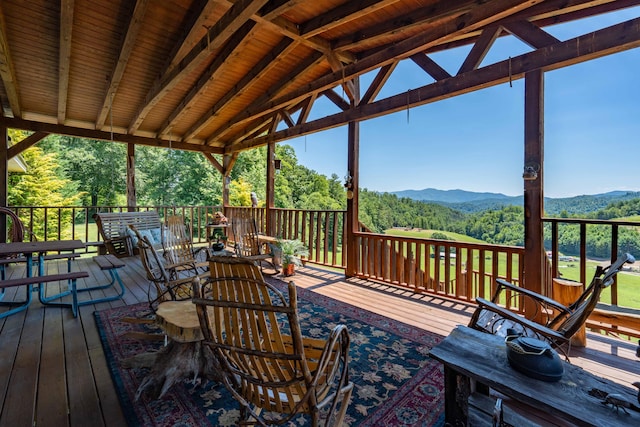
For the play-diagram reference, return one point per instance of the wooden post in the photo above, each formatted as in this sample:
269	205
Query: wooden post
131	177
4	178
270	195
534	256
353	166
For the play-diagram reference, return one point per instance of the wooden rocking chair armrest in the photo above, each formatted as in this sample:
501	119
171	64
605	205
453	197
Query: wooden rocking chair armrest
551	334
503	284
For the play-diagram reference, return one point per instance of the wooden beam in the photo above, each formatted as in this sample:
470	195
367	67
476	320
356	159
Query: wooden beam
353	170
306	109
336	99
589	46
270	189
126	48
534	255
530	34
285	81
434	14
7	70
105	136
430	66
216	164
341	15
378	82
489	13
204	81
219	34
480	48
64	60
29	141
131	177
4	177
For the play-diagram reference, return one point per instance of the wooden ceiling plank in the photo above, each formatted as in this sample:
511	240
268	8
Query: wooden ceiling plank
430	15
430	66
480	48
29	141
343	14
126	47
378	82
204	9
286	117
64	61
286	80
266	64
610	40
205	80
476	18
219	34
530	34
7	70
102	135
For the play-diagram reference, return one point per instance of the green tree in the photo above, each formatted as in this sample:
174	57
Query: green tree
42	186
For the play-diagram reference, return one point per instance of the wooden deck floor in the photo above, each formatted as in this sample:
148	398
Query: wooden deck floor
53	370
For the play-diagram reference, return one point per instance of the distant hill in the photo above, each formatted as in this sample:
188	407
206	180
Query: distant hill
470	201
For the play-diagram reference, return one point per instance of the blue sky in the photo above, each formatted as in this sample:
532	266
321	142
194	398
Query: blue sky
475	142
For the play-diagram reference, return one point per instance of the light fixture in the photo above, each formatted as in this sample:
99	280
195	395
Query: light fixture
348	184
531	171
277	163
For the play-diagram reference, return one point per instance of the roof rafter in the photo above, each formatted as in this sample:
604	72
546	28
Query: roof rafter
205	79
589	46
235	17
128	44
64	60
475	19
7	70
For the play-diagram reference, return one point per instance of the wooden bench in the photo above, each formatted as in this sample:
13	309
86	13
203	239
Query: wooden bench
71	278
114	230
612	318
5	261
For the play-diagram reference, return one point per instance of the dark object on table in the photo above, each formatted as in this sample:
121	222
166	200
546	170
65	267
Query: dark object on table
217	247
533	358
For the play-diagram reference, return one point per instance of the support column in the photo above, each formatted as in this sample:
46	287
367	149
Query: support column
534	256
227	165
4	178
353	171
270	194
131	177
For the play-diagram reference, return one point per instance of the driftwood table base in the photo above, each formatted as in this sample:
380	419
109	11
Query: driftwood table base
185	356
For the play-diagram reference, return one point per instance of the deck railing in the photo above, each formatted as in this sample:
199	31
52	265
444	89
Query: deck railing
453	269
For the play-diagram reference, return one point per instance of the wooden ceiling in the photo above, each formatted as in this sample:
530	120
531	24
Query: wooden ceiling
220	76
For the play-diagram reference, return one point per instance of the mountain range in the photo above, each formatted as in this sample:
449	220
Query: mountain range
470	201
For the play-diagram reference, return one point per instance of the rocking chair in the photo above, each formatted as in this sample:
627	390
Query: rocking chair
168	286
561	322
179	250
248	245
266	364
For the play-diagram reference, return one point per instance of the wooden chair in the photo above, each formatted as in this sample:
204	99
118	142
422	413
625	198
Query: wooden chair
561	322
179	250
169	286
266	363
247	243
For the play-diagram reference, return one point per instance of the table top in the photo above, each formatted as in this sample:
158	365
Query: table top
39	247
482	356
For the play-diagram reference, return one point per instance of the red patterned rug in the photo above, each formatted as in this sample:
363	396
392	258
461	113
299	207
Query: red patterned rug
396	383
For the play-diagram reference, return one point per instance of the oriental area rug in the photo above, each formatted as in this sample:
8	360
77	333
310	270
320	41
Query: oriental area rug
396	383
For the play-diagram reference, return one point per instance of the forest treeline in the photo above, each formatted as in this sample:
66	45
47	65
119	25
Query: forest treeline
68	171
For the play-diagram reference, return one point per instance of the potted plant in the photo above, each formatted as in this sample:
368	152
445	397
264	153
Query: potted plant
220	238
291	251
